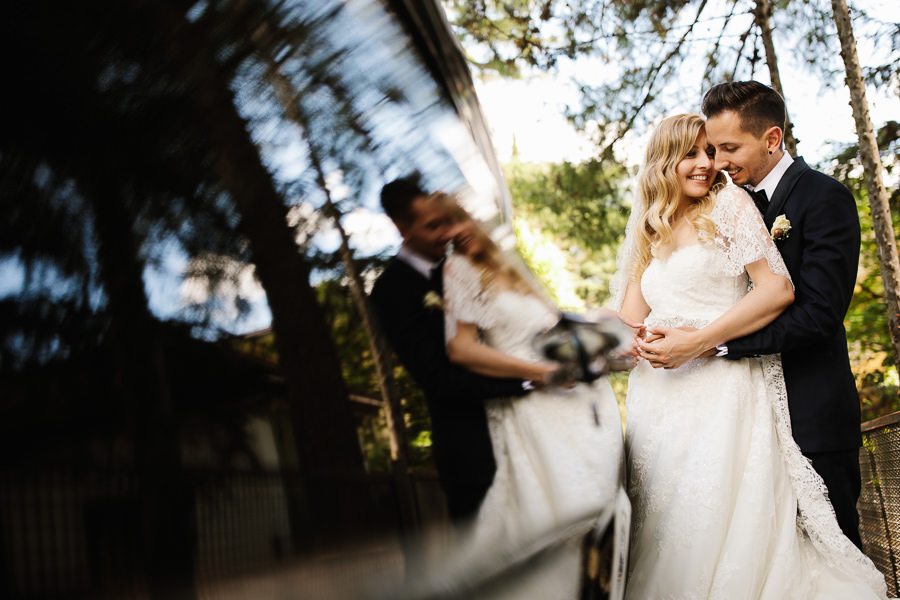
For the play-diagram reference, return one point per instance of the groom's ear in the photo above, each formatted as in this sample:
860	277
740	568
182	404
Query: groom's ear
403	227
773	137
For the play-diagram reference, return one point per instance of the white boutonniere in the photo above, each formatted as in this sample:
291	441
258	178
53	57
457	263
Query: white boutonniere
781	228
433	301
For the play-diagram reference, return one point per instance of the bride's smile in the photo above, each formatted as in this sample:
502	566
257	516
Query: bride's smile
467	237
695	171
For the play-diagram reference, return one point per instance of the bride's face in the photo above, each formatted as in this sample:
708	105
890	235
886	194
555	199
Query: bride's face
696	170
468	238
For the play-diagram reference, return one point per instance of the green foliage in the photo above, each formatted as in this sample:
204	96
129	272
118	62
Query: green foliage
867	323
359	373
868	335
374	443
580	209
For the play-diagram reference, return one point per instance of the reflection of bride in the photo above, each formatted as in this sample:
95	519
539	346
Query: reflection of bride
725	506
558	450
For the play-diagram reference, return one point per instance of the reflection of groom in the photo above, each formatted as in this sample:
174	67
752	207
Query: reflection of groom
406	298
745	121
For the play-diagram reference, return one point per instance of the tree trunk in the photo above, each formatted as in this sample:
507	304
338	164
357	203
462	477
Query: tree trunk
763	13
871	160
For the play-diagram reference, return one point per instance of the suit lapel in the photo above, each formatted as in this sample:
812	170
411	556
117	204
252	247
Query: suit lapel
784	188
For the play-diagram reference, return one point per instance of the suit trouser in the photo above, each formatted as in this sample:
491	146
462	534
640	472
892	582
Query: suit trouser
840	471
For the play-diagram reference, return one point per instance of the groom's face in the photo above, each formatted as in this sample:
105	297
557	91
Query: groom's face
427	231
744	156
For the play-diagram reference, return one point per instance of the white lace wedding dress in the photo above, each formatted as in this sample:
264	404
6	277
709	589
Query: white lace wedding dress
724	504
559	452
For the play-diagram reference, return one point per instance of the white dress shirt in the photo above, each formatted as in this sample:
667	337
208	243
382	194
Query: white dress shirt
770	181
416	261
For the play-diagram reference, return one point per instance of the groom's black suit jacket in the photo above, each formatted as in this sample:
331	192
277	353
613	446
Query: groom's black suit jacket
461	443
822	256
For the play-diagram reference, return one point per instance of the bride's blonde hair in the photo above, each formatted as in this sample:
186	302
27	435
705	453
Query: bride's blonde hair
492	261
659	190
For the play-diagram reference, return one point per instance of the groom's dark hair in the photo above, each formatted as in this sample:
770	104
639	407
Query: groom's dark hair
397	197
758	106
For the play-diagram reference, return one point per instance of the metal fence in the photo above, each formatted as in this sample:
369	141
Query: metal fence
879	502
62	533
67	534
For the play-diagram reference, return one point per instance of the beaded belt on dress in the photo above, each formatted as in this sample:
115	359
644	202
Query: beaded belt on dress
675	322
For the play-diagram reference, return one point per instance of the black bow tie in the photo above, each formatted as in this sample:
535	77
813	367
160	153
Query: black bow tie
760	199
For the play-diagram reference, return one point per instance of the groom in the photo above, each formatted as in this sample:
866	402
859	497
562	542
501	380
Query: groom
407	300
820	246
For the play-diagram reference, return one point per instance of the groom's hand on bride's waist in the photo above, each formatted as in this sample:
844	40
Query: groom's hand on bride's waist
671	347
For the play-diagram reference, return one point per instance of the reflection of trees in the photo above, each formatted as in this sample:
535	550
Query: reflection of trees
142	134
307	355
123	139
296	111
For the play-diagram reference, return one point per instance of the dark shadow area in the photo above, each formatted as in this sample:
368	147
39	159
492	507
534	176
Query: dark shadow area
186	389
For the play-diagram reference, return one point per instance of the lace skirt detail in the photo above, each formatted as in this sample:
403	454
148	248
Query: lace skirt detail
716	482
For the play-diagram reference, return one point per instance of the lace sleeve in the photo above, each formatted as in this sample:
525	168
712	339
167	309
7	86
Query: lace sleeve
464	296
741	234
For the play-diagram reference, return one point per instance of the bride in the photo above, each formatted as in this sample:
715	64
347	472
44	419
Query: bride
559	449
724	504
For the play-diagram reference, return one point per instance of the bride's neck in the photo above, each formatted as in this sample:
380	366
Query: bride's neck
681	211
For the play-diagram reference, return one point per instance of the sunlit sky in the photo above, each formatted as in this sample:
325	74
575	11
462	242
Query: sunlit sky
530	112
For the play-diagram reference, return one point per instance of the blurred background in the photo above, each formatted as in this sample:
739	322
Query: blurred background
194	398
